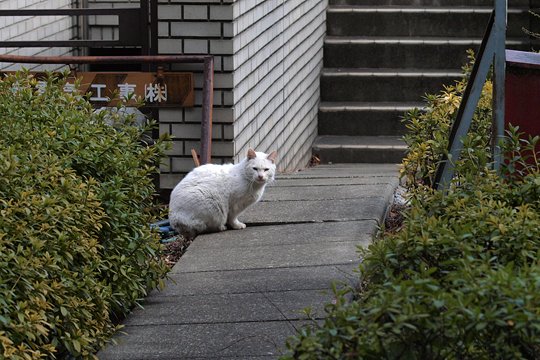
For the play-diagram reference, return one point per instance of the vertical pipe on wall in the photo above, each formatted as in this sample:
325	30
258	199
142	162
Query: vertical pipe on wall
207	105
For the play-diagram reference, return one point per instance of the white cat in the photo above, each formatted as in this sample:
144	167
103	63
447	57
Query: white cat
212	196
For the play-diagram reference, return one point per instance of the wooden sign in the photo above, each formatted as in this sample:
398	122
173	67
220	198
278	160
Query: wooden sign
169	89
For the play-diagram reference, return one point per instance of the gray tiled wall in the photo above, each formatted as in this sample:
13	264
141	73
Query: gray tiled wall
35	28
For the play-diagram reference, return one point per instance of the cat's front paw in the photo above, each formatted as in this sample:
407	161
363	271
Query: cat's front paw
237	225
223	227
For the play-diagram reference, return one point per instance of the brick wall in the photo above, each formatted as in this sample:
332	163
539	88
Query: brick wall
105	27
35	28
268	59
198	27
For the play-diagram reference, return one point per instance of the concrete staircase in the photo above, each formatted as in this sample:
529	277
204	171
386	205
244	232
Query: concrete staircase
382	56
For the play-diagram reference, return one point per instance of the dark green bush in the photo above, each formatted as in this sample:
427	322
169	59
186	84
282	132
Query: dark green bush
489	313
461	280
76	198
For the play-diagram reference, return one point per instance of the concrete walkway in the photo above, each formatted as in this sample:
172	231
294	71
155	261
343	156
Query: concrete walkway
239	294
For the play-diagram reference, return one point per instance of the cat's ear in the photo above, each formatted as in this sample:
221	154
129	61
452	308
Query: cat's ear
272	156
251	154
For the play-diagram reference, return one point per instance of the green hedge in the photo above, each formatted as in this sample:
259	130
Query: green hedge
76	198
461	279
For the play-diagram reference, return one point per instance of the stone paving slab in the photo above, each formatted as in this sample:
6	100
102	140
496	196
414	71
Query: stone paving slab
262	257
241	339
239	294
339	192
257	280
329	181
290	234
224	308
344	170
287	212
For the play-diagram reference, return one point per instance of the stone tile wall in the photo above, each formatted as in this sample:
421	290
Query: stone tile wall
105	27
268	57
35	28
198	27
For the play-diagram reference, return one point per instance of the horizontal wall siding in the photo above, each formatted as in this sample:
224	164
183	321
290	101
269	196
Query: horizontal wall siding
35	28
277	59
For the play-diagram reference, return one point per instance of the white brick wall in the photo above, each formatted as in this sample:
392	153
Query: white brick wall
197	27
105	27
35	28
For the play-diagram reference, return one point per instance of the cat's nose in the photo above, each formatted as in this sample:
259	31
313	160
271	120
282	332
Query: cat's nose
260	177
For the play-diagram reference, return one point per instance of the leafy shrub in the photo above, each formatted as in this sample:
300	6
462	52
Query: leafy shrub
461	280
76	198
490	313
428	132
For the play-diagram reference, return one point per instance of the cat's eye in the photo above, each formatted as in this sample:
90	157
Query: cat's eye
255	169
266	169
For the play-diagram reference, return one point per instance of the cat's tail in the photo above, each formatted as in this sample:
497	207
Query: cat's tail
189	229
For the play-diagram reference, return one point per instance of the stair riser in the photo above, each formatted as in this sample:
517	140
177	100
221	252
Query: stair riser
427	2
361	122
353	155
380	88
392	55
417	56
417	24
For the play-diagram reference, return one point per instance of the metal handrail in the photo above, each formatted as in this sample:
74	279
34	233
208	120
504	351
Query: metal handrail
492	52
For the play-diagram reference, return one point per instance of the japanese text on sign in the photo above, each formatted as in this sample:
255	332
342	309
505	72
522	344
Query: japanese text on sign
107	89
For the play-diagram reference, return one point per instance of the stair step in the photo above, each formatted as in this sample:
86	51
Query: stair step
381	57
419	52
363	119
391	85
418	21
359	149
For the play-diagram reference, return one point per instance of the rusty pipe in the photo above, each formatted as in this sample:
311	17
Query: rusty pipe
135	59
208	99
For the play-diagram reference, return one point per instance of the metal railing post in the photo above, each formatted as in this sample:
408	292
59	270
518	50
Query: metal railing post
499	71
492	51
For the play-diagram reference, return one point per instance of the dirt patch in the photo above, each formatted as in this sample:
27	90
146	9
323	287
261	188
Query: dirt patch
394	219
174	249
395	215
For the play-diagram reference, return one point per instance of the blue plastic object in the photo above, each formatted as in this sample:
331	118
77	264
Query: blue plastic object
167	233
